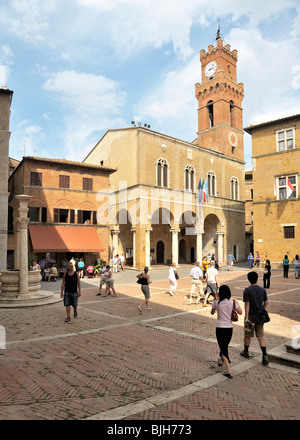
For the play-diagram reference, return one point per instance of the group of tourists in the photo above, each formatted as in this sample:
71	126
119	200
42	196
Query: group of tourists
118	263
254	297
266	266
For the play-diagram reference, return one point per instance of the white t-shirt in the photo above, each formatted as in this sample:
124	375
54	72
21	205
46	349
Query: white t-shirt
172	274
211	274
196	273
224	310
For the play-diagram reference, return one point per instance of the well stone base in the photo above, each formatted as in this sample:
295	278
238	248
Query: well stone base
10	296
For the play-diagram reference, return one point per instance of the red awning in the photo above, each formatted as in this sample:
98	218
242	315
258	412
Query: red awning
64	239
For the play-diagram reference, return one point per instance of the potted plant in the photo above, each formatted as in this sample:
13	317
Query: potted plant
97	270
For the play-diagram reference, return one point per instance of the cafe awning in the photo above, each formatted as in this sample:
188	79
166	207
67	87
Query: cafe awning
65	239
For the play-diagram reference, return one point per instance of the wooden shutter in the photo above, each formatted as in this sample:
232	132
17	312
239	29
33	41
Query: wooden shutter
64	181
79	217
56	215
94	217
87	184
72	216
35	178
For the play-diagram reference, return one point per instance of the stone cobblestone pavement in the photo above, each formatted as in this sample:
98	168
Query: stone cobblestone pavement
114	363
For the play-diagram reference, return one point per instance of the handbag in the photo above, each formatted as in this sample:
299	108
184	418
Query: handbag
176	276
140	281
262	316
234	315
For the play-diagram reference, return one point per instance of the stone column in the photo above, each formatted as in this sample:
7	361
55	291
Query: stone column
199	246
147	247
220	236
5	103
133	230
115	241
175	253
20	207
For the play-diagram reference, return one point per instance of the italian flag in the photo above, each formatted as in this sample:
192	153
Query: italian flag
289	189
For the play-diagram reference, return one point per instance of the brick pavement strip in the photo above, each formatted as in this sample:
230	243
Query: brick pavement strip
115	363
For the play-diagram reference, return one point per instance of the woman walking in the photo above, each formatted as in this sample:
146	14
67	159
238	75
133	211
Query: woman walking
145	281
267	274
224	306
296	264
286	263
172	278
70	290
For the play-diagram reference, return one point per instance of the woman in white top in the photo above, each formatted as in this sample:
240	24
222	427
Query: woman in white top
296	264
172	278
223	306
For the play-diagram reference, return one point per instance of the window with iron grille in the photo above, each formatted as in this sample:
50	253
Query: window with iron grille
87	184
289	231
64	181
35	178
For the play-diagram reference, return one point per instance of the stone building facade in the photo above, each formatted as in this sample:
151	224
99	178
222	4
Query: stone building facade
153	206
276	202
63	203
5	105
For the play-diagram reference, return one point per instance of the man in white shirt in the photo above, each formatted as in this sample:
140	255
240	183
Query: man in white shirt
197	283
115	264
211	282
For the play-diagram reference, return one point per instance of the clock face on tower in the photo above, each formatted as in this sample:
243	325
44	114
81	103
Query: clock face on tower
210	69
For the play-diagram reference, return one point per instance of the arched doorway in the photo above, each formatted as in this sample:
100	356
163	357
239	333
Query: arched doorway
182	251
211	225
160	251
192	254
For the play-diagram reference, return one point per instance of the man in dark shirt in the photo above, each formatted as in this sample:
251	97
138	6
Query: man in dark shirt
255	297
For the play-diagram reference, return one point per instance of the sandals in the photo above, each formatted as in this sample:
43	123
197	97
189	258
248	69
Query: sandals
75	314
220	362
68	319
228	375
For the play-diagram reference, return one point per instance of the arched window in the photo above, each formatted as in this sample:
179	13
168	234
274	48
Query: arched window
162	173
210	107
234	188
189	178
231	113
212	183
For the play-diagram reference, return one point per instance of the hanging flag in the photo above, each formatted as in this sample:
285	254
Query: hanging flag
289	189
205	190
200	191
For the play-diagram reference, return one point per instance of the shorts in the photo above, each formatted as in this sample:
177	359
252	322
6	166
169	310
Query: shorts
71	299
212	288
258	328
103	281
146	291
110	284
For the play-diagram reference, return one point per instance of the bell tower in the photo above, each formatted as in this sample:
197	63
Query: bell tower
220	114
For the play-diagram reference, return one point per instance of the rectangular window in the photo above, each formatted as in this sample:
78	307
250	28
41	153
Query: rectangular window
61	215
87	184
64	181
35	178
287	187
289	231
285	139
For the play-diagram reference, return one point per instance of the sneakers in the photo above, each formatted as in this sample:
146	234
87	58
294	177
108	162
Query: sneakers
171	293
265	360
245	354
140	309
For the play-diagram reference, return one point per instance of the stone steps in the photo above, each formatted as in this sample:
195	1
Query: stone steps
286	354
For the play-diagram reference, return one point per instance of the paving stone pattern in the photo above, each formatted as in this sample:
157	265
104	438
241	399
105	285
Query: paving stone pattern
111	359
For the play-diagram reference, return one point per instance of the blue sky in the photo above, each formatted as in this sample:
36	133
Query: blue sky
80	67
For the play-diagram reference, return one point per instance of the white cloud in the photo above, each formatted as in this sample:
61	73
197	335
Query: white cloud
91	103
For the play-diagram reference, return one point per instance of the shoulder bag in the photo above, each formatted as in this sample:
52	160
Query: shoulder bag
234	315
